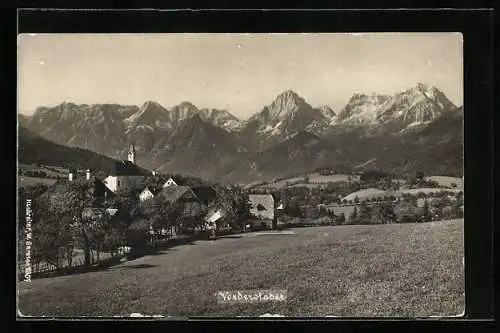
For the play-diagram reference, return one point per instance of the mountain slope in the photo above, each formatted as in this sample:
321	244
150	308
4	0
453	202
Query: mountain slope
300	152
32	149
99	128
195	147
436	148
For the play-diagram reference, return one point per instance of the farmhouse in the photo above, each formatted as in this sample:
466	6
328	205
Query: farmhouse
263	210
214	217
173	181
148	192
181	194
126	174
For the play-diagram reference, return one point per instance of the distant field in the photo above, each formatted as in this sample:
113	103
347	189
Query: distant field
447	181
282	183
315	180
368	193
317	185
426	190
49	170
28	181
371	193
391	270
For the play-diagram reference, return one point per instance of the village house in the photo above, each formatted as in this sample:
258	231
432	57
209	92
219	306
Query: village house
126	174
172	181
262	209
148	192
213	219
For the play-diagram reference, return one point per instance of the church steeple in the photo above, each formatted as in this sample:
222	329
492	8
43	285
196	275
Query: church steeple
131	153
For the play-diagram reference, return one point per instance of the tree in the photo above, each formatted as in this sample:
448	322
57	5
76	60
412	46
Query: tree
341	218
385	214
365	216
193	214
426	214
235	204
293	209
322	211
331	213
98	227
353	218
52	235
71	202
356	199
456	211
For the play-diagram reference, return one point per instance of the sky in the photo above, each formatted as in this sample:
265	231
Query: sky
238	72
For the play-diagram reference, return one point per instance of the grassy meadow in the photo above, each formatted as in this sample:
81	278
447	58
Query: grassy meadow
394	270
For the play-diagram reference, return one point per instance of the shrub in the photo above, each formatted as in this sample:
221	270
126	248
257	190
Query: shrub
407	219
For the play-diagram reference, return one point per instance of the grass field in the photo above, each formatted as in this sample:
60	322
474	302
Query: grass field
318	178
380	270
426	190
447	181
28	181
315	179
368	193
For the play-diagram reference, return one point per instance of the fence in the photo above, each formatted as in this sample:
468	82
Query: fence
78	262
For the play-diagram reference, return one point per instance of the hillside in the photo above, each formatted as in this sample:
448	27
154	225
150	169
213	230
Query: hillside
33	149
391	270
195	147
300	152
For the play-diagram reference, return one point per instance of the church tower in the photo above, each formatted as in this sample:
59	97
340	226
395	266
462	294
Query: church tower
131	153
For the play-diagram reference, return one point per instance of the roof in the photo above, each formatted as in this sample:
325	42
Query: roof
174	193
154	190
176	179
215	215
262	205
96	212
204	193
126	168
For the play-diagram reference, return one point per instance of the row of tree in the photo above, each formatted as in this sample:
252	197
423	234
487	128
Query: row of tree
71	218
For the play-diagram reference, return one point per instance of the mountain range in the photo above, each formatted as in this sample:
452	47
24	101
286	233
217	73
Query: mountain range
418	128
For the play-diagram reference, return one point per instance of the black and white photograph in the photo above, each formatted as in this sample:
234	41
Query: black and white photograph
180	175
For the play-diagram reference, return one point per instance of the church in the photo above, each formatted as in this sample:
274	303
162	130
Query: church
126	174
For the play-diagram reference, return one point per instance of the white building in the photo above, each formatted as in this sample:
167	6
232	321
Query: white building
126	174
171	182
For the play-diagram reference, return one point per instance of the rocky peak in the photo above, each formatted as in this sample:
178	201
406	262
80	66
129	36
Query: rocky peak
327	111
287	100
